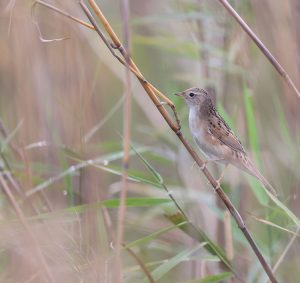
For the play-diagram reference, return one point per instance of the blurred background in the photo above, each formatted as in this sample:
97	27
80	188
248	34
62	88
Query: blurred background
61	111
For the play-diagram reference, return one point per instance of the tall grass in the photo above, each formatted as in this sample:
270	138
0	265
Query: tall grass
53	93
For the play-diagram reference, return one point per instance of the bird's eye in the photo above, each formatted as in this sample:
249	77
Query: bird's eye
192	94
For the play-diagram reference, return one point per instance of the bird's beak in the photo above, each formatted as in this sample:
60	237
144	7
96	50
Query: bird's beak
179	94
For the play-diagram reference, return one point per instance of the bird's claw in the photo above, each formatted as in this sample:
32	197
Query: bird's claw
203	166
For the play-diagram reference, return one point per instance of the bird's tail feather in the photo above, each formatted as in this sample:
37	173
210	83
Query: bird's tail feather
262	179
267	185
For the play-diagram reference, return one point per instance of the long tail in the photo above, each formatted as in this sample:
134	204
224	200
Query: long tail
266	184
254	172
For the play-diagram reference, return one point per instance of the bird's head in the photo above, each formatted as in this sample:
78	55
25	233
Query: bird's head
194	96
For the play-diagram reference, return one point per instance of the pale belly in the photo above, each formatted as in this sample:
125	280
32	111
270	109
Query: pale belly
211	152
200	133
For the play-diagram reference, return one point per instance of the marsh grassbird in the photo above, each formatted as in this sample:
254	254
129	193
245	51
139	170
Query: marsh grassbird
214	137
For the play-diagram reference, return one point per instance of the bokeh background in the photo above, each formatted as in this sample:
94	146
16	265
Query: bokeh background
61	104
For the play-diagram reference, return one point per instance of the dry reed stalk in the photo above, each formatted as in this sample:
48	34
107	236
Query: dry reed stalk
175	126
228	236
59	11
261	46
141	264
126	144
22	218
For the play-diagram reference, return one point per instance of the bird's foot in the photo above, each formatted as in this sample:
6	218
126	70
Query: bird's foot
203	166
218	185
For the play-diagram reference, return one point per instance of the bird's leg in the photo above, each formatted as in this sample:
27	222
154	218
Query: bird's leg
222	175
205	162
162	103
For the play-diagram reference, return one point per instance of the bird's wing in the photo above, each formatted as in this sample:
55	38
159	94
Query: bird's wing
220	130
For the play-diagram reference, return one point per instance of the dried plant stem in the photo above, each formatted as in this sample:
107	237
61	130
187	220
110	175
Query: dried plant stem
141	264
59	11
228	236
261	46
40	257
194	155
126	144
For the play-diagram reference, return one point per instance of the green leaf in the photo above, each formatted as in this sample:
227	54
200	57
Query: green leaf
131	176
200	236
216	278
164	268
135	202
283	124
10	136
155	173
213	278
284	208
251	124
68	180
272	224
154	235
254	144
109	203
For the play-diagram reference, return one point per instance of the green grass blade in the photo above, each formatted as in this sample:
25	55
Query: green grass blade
254	144
135	202
285	209
68	180
109	203
164	268
131	176
283	124
274	225
216	278
150	168
154	235
251	124
10	136
201	237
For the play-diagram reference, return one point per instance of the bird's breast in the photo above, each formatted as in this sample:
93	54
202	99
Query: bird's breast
195	122
209	145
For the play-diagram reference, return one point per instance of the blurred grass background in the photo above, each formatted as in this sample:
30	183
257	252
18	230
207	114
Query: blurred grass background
61	104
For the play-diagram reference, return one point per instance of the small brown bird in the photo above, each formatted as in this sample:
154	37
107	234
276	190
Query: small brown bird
214	137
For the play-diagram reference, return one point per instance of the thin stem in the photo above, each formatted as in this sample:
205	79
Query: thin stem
22	218
228	236
126	143
141	264
59	11
260	45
